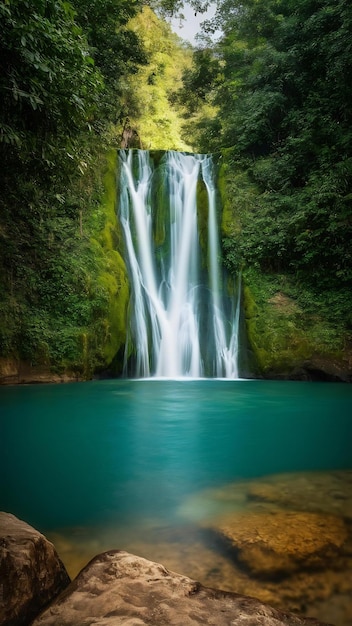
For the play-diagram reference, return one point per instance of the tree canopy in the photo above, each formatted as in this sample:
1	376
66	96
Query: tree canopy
284	108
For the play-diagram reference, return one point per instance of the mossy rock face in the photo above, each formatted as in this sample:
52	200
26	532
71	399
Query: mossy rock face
202	216
287	341
227	218
71	321
156	156
113	278
159	203
278	342
116	282
237	194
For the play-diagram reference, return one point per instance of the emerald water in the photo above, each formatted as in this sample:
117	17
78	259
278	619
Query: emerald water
113	450
131	464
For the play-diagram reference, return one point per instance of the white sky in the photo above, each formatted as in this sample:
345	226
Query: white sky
191	25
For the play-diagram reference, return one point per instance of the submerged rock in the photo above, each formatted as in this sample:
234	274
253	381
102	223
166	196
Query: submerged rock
324	492
280	543
31	572
118	588
257	531
199	555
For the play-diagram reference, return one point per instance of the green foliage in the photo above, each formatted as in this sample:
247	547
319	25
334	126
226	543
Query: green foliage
66	302
285	119
70	75
284	113
63	286
48	82
170	8
152	111
116	49
196	99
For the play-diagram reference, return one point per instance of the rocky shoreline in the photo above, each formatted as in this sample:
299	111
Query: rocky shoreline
115	589
285	539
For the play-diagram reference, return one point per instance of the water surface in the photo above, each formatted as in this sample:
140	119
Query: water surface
86	452
130	463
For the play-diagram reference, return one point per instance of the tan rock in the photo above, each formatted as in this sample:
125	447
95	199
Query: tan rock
8	368
14	372
31	573
120	589
282	542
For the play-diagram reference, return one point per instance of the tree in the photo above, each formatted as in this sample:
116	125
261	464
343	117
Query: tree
47	80
50	89
284	108
170	8
153	111
116	50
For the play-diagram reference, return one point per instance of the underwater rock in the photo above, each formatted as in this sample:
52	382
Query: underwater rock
277	542
324	492
313	491
120	588
199	555
31	572
325	592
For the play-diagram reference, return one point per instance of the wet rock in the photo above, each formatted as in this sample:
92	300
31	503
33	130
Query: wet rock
31	572
120	588
280	542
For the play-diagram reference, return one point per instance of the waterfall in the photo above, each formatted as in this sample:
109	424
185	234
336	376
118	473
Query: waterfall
183	319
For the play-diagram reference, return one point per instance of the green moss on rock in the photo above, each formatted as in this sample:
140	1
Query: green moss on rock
202	217
113	278
116	284
237	192
287	341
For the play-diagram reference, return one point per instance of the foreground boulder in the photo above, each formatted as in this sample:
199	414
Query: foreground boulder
31	573
119	589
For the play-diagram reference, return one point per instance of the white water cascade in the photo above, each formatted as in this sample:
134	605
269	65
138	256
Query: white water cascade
183	320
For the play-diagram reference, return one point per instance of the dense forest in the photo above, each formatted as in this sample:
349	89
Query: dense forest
269	95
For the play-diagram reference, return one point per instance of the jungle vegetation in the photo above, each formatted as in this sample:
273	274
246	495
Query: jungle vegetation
276	86
68	89
270	95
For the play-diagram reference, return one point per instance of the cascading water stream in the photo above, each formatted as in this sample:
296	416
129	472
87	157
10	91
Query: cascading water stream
183	321
226	356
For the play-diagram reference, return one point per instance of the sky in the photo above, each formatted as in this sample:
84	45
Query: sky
191	25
